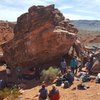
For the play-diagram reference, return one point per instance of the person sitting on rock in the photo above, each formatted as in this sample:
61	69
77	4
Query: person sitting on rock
68	76
59	81
84	76
54	93
43	93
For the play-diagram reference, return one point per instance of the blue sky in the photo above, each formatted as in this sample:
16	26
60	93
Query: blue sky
72	9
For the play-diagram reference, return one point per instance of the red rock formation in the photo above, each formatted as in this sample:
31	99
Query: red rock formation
42	36
6	34
96	39
6	31
96	67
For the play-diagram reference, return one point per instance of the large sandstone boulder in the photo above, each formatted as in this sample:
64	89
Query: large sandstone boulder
42	36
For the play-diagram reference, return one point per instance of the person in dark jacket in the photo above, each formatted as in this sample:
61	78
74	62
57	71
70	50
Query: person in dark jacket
68	76
43	93
54	93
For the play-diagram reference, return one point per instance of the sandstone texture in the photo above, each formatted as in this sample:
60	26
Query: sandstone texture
6	34
96	39
96	67
6	31
41	37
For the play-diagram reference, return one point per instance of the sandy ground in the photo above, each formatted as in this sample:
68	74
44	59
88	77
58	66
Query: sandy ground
32	88
93	93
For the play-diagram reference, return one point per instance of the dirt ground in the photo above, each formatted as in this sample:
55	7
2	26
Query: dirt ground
93	93
31	88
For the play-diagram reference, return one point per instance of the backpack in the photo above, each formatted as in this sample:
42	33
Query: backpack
82	87
86	78
43	93
59	82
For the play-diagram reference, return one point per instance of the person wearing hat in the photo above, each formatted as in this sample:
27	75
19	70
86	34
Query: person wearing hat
54	93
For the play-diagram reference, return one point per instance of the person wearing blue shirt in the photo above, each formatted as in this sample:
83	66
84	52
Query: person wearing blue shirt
73	64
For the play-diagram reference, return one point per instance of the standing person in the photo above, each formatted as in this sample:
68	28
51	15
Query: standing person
77	62
19	72
89	64
54	93
73	64
63	66
37	73
8	71
43	93
85	59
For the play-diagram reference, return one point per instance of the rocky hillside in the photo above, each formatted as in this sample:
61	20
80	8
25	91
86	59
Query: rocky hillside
89	25
89	30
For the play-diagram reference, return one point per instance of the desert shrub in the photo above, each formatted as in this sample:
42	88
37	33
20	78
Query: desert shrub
9	93
50	74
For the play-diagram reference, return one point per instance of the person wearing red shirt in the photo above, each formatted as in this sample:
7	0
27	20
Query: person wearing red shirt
54	93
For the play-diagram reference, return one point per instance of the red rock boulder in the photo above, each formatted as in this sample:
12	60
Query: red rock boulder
42	36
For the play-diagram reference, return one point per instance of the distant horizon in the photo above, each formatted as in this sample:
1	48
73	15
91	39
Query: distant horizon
70	20
10	10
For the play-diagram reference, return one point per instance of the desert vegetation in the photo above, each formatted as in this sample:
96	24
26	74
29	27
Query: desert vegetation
50	74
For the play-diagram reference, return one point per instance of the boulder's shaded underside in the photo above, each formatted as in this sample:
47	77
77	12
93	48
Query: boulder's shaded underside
96	67
41	37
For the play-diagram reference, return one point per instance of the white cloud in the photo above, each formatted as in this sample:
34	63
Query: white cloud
10	15
77	17
84	11
11	9
74	9
64	7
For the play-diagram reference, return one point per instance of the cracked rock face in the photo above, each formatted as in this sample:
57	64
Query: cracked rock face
41	36
6	31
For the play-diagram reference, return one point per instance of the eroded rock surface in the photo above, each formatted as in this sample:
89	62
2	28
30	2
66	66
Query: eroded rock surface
42	36
96	67
6	31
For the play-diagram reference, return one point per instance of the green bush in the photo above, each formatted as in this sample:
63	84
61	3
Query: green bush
9	93
50	74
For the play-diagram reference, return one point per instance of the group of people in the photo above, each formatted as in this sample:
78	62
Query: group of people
73	65
66	79
53	94
68	73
